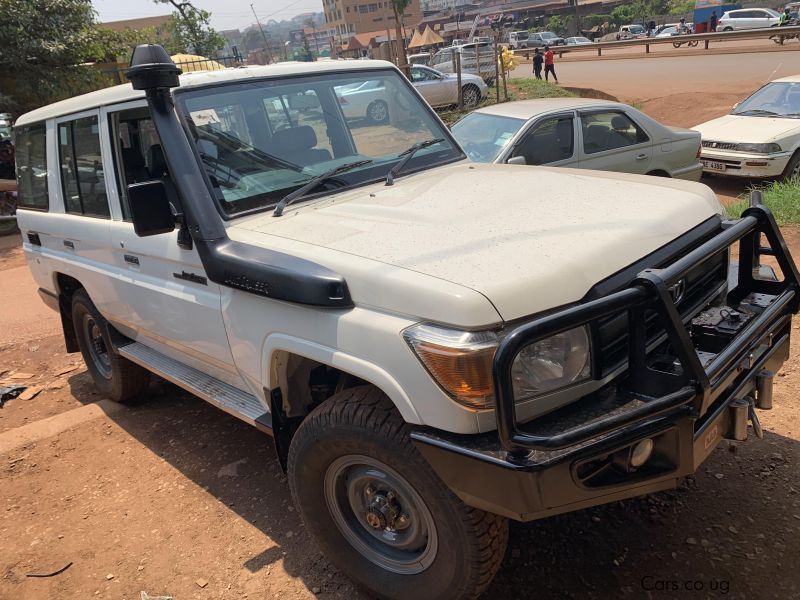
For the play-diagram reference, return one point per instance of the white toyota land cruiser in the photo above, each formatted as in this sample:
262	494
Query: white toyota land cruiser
432	351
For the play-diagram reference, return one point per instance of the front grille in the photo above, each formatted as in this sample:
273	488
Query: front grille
719	145
702	283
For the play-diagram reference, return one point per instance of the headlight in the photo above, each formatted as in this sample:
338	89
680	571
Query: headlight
758	148
550	364
459	361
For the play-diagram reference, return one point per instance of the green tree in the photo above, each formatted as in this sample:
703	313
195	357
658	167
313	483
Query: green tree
558	24
45	47
191	31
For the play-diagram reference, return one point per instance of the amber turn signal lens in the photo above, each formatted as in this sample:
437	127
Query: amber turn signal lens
459	361
465	374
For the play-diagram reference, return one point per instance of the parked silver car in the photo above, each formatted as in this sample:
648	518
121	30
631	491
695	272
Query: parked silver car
582	133
367	100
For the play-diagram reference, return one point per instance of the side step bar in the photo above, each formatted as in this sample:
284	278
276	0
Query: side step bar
232	400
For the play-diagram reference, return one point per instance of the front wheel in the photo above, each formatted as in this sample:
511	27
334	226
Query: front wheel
677	44
116	377
378	112
470	96
380	513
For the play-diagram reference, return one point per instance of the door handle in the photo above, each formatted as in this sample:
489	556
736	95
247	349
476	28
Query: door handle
641	157
69	244
131	260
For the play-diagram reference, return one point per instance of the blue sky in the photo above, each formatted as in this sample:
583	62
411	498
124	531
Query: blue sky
225	14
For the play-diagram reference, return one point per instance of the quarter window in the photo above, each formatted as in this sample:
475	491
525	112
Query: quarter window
82	180
31	153
608	131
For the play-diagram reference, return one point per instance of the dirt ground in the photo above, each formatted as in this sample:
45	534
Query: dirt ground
172	497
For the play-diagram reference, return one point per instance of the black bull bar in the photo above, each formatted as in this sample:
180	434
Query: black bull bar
650	290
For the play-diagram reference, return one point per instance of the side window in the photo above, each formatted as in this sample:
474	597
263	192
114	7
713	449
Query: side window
31	152
547	142
137	151
608	131
82	180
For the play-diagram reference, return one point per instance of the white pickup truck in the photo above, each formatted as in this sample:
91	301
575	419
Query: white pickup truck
432	351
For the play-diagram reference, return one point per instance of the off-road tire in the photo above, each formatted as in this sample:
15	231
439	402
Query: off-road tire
118	378
363	421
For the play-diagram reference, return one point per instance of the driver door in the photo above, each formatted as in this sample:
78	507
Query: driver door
550	141
433	88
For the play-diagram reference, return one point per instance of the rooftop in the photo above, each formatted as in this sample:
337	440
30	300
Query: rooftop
525	109
126	93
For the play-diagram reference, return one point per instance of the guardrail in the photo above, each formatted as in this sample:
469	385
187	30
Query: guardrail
716	36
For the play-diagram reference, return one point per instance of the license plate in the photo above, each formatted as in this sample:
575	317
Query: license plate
712	165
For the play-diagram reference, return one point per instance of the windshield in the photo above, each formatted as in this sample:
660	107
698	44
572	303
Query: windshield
780	99
636	29
522	35
773	13
261	140
548	35
485	136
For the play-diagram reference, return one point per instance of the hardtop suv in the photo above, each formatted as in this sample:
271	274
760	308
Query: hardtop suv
431	351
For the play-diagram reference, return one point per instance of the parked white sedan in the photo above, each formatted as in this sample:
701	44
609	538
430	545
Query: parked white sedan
760	137
367	100
579	132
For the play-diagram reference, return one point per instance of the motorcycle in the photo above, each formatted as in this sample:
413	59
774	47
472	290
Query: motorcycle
780	38
691	43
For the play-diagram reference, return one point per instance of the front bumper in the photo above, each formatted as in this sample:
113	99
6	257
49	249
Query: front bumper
741	164
581	456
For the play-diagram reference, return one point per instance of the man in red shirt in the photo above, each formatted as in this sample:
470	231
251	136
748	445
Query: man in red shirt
549	67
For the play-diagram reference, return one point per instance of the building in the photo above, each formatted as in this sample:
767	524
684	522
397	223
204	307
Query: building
350	17
158	22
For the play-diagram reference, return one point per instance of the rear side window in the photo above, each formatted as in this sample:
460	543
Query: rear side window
82	179
608	131
31	152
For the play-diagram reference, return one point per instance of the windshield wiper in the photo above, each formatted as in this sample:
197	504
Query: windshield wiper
407	155
314	182
756	111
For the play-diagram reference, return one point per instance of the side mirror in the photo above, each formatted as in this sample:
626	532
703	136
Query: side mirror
151	210
516	160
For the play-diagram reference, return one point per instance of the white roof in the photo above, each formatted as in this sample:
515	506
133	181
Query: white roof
126	93
790	79
526	109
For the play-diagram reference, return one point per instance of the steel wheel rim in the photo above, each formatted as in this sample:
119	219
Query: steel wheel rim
96	344
391	527
378	112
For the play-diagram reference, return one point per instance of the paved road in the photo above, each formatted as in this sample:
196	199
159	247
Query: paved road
638	79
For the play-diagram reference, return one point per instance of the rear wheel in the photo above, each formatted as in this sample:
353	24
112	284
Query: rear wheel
727	29
378	111
116	377
380	513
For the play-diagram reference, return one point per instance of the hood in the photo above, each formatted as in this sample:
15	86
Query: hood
525	239
752	130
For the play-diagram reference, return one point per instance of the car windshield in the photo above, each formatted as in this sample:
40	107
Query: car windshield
261	140
548	35
773	13
485	136
522	35
636	29
780	98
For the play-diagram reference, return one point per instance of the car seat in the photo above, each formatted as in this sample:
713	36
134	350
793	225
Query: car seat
297	146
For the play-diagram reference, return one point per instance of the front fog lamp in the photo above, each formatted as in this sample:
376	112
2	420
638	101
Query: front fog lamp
459	361
550	364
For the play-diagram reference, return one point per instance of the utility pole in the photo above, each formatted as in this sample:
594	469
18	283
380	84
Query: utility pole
264	35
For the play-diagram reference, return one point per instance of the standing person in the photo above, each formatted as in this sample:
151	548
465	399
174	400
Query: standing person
712	25
549	66
538	59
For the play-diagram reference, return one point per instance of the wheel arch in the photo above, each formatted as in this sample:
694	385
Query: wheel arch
659	173
66	286
285	356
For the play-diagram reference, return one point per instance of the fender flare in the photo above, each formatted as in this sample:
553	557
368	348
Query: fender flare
337	359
